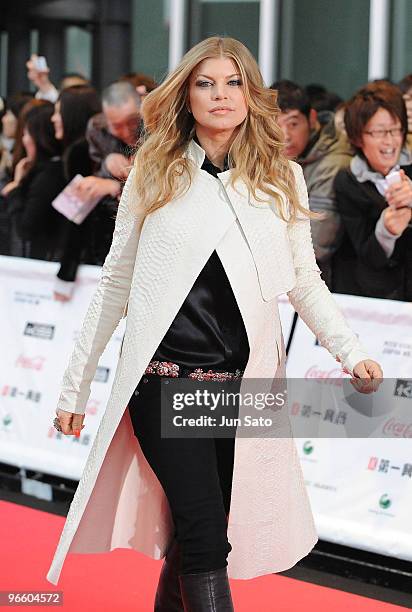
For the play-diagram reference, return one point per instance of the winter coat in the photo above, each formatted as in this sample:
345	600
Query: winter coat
148	273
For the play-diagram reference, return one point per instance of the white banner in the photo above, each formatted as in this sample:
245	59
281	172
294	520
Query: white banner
360	487
37	335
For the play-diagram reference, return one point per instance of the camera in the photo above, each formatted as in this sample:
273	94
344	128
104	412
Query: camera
393	177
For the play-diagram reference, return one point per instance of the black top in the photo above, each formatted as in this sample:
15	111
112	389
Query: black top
208	331
82	241
360	266
40	227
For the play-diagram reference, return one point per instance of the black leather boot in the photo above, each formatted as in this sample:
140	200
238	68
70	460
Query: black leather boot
206	591
168	597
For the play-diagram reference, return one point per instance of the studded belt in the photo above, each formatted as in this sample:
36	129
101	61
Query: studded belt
174	370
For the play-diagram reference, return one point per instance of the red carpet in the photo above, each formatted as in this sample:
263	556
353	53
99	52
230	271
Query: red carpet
126	581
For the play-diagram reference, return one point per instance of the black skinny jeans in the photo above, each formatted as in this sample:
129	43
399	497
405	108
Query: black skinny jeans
196	475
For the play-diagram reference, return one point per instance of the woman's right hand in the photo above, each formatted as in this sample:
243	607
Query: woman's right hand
396	219
70	422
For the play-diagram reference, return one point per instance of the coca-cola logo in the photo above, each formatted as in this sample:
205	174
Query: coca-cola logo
30	363
397	429
92	406
335	375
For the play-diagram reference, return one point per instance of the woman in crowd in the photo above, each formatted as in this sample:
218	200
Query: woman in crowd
19	150
375	258
22	104
11	142
213	224
73	110
11	133
38	179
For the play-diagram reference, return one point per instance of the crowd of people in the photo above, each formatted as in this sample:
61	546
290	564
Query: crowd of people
356	157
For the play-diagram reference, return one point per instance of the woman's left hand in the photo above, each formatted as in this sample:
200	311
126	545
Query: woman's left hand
367	376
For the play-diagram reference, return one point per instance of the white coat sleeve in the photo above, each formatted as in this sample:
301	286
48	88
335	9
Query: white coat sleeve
105	309
311	297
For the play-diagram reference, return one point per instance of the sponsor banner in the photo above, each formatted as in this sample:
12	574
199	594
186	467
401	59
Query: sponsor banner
37	336
383	326
361	492
360	487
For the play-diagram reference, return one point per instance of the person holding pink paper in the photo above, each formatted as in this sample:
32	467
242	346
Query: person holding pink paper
73	109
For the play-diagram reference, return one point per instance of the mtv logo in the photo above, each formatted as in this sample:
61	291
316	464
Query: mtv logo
403	388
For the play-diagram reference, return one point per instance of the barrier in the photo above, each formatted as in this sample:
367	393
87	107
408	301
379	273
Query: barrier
36	336
360	488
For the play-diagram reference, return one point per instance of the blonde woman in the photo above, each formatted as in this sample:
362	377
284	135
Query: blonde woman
212	226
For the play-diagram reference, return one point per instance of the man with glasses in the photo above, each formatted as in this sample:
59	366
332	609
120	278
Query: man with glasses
374	198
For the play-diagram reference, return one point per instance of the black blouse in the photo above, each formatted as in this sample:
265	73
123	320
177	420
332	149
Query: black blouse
208	331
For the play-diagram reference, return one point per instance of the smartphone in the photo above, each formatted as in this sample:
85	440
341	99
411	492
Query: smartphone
393	177
40	63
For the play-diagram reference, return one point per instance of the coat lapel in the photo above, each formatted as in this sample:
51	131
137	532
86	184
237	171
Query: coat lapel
177	240
175	244
266	234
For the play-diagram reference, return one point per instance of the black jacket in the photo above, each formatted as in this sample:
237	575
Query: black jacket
89	242
40	228
360	266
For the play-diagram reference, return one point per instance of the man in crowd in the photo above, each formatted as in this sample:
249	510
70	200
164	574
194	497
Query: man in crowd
322	152
113	134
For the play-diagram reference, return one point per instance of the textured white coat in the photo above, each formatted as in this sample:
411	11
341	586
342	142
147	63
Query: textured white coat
150	269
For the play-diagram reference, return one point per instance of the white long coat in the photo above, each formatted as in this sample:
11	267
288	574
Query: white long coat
150	269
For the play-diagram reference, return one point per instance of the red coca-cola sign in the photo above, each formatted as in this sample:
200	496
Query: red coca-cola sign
30	363
335	375
397	429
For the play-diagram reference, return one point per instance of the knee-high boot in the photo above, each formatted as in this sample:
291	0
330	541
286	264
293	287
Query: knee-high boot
206	591
168	596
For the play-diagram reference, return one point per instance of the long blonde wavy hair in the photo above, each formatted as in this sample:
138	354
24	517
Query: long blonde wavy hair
255	154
